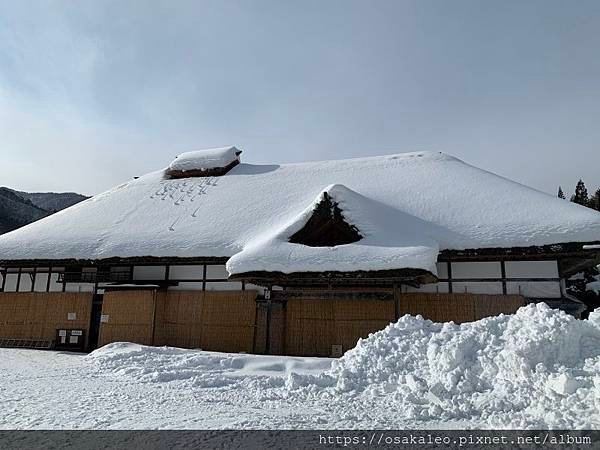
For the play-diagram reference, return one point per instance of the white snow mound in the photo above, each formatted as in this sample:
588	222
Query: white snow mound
538	368
205	159
594	286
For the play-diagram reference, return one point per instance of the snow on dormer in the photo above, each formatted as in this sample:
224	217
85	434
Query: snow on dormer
213	162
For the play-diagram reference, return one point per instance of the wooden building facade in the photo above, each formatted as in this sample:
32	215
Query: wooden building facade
194	303
299	259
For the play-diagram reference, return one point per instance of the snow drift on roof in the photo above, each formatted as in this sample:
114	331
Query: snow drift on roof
221	216
205	159
391	239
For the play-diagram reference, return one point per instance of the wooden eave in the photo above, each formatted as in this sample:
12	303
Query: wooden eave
113	261
542	252
199	173
328	278
571	256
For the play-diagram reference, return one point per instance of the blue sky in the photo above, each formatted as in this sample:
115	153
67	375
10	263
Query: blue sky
95	92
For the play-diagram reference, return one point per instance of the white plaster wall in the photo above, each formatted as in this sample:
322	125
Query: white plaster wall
187	286
25	284
477	287
535	289
216	272
41	280
441	288
11	282
79	287
55	286
223	286
476	269
149	272
442	270
191	272
531	269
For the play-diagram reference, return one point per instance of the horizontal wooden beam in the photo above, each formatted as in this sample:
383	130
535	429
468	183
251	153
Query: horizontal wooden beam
551	251
115	261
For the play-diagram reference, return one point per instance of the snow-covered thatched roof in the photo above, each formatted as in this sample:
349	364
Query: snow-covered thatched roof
392	240
407	207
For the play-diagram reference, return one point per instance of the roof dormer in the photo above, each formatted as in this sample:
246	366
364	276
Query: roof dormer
326	227
204	163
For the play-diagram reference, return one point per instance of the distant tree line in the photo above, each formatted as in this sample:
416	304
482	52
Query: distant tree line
581	196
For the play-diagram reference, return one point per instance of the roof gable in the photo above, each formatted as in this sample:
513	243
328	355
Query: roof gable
326	227
392	239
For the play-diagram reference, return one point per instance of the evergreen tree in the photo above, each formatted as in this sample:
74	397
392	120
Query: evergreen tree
595	200
561	194
581	195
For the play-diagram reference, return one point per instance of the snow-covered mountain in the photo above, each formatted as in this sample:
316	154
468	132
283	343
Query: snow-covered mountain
21	208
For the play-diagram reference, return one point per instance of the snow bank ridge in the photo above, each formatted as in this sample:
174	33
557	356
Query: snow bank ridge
536	368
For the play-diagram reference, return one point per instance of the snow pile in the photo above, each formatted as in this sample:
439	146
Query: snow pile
537	368
391	239
199	368
594	286
205	159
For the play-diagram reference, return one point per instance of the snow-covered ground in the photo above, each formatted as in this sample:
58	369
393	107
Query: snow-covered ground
539	368
594	286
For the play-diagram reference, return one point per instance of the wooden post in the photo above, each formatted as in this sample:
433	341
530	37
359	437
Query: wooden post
396	303
153	315
33	279
18	279
64	284
503	268
268	331
49	278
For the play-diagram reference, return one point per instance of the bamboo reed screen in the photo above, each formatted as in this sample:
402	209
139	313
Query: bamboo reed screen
458	308
314	325
232	321
218	321
37	315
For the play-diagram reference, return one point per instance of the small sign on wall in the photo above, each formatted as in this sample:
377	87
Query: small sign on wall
71	316
104	318
62	333
336	351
